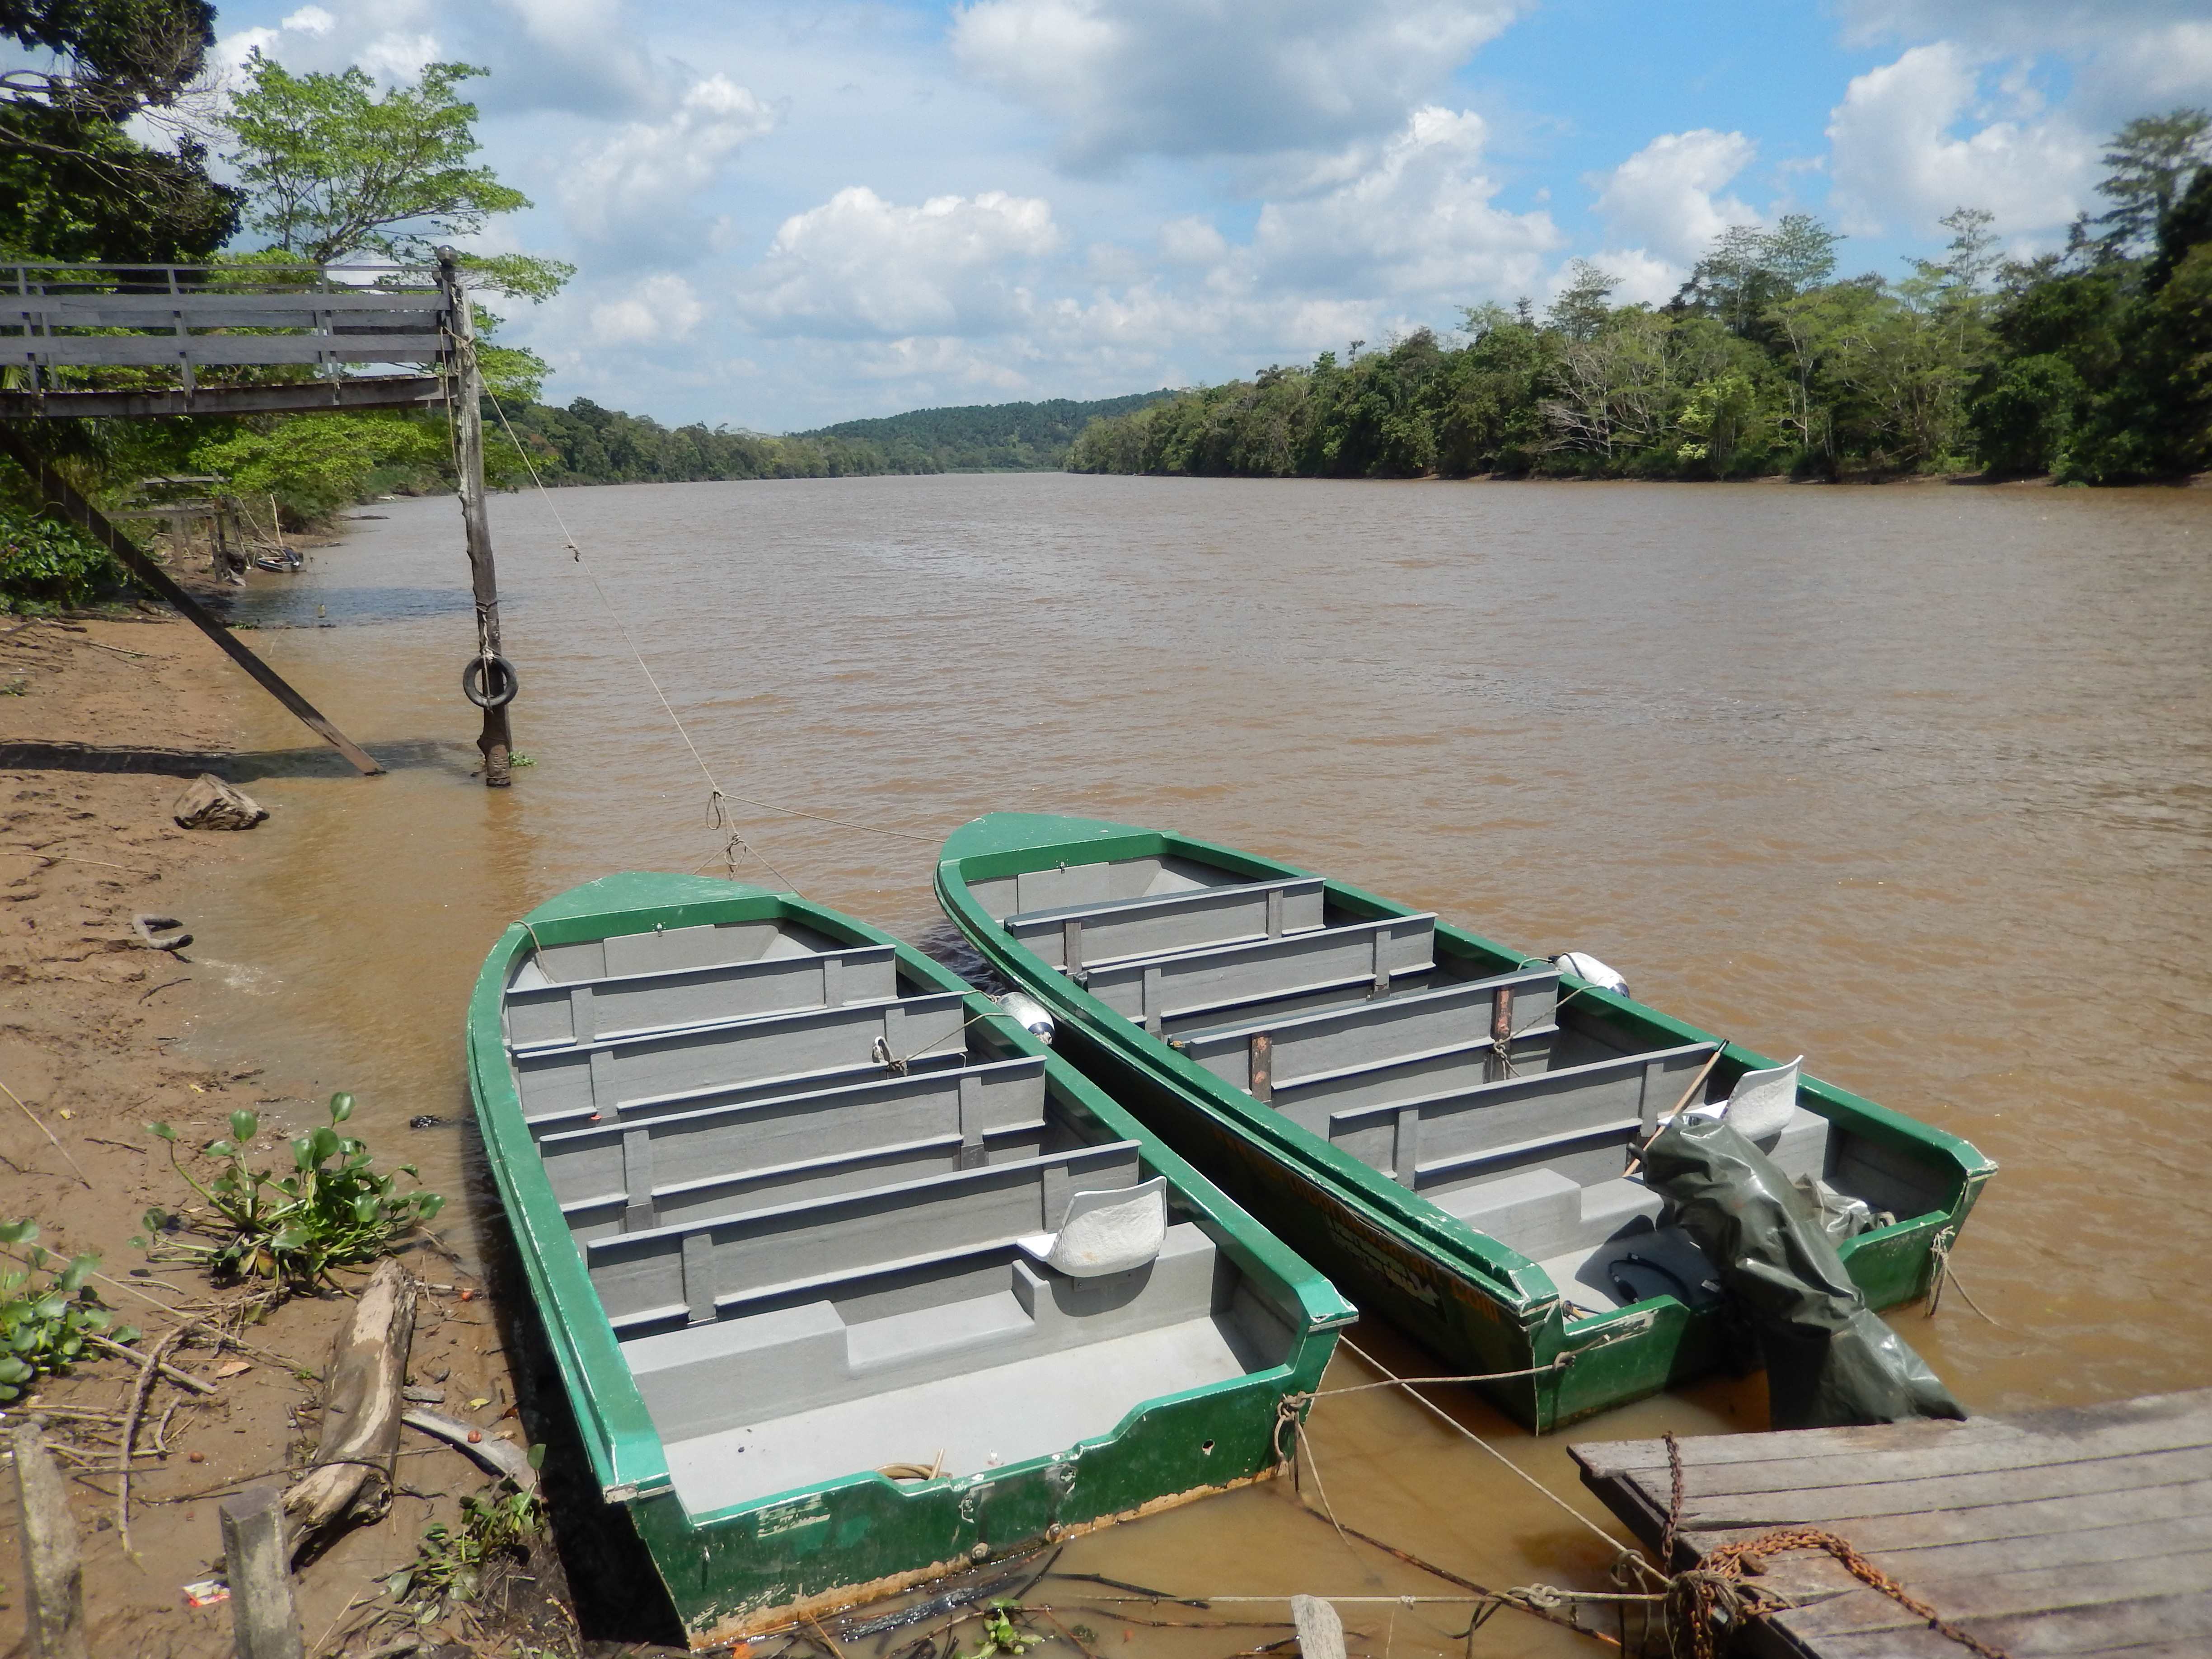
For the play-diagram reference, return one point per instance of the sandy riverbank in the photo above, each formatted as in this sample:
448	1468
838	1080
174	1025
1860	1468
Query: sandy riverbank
104	721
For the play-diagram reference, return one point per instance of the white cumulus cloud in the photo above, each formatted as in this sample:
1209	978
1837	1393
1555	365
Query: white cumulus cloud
660	308
860	265
1665	198
643	176
1416	219
1914	139
1200	77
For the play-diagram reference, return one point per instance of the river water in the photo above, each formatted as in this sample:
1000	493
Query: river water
1914	780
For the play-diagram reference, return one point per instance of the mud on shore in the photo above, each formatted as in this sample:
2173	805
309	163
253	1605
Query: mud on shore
102	723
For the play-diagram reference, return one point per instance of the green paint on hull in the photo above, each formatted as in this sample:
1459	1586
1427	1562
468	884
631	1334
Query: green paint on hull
1478	1305
746	1569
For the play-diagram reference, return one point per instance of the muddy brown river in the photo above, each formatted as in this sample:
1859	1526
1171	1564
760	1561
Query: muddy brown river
1917	781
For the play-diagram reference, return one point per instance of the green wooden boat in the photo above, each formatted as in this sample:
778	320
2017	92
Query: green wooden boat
852	1281
1440	1123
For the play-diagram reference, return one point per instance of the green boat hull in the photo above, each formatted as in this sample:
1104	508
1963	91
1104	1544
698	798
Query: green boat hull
761	1565
1481	1308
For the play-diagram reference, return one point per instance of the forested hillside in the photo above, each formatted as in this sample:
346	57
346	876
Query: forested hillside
2094	364
982	437
585	444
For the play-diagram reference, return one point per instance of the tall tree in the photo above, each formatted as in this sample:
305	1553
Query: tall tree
74	183
2154	160
334	168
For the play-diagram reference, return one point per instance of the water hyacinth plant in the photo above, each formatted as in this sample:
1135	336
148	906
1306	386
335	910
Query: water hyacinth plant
45	1316
332	1210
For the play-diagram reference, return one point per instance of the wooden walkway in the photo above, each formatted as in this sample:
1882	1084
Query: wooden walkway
2081	1531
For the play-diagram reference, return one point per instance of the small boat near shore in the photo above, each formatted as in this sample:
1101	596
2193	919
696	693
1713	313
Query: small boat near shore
1443	1125
850	1280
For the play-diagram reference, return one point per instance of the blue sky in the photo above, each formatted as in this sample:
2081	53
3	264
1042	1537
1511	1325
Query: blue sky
789	215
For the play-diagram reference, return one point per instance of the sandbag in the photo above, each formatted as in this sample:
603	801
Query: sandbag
1830	1360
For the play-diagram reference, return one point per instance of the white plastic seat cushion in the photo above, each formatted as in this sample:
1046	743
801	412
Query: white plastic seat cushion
1105	1232
1761	1101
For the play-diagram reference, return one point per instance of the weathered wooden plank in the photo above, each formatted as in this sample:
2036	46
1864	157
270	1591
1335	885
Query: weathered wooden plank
1997	1522
2010	1594
1942	1458
1620	1457
2176	1623
153	350
1815	1572
294	397
1823	1504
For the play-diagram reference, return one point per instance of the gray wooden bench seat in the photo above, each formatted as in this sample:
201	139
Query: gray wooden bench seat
760	1365
1394	1047
1077	937
1365	957
1444	1137
700	1268
582	1010
630	1176
670	949
1080	885
626	1076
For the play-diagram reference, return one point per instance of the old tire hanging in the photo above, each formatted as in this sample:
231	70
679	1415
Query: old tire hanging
489	682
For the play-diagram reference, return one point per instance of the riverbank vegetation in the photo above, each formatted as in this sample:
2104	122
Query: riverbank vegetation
2093	365
585	444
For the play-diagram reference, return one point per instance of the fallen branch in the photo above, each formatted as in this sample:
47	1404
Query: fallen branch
498	1455
130	1433
181	1378
352	1471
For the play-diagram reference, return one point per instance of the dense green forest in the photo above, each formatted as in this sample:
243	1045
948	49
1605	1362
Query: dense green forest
2094	365
983	437
585	444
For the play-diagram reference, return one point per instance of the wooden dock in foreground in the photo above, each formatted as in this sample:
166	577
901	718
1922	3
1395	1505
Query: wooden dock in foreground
2082	1531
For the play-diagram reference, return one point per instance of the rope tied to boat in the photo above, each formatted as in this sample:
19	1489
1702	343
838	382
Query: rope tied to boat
1712	1593
1943	1273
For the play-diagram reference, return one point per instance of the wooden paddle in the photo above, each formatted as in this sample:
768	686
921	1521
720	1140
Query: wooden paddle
1696	1083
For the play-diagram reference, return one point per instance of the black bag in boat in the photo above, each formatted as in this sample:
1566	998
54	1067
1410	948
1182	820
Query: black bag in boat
1830	1360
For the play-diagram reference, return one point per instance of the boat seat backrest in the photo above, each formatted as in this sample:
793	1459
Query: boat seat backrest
630	1169
606	1077
1761	1100
668	949
1104	1232
1191	920
585	1010
1394	1047
1152	990
693	1271
1456	1136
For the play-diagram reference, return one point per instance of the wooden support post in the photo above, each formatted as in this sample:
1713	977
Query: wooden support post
1321	1632
66	495
258	1567
54	1579
496	739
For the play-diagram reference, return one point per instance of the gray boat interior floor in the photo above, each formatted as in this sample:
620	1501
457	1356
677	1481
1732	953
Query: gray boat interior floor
1485	1093
799	1183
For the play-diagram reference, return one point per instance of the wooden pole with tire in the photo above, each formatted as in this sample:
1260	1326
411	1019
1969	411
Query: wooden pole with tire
488	681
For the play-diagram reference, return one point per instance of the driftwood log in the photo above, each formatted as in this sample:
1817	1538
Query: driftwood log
352	1477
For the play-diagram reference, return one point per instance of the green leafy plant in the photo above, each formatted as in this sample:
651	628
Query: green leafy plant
999	1633
450	1561
332	1210
45	1315
44	564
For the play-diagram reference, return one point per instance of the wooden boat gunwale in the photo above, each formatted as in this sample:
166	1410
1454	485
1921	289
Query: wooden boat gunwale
1891	1263
627	1458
